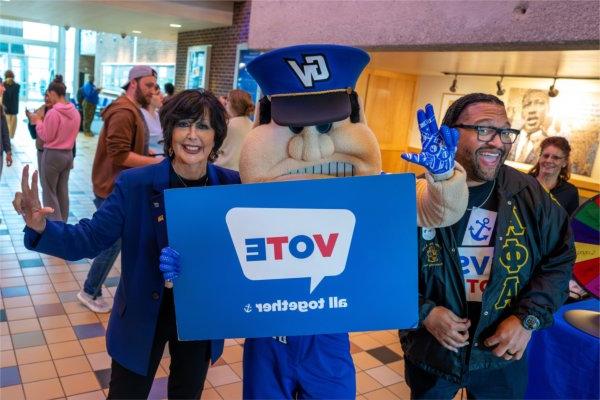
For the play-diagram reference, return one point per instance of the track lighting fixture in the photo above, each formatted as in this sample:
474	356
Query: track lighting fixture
500	90
552	91
453	86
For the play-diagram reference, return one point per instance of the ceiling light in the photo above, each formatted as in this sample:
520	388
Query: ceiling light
453	86
552	91
175	25
500	90
136	31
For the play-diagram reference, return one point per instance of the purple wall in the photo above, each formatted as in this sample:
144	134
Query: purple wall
428	25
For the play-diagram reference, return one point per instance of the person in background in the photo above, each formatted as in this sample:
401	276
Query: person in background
89	103
39	144
10	101
150	113
239	106
4	136
58	130
143	318
123	144
169	90
553	171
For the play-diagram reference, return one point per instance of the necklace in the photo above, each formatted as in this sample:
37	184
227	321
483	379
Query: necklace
182	181
486	198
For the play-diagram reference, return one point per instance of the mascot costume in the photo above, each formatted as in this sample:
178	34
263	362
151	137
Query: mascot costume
310	125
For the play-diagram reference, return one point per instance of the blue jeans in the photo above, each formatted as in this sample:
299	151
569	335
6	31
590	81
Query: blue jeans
101	265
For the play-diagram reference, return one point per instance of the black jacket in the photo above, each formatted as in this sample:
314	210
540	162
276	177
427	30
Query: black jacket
10	98
533	258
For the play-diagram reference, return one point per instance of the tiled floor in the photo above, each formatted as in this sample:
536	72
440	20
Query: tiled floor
53	347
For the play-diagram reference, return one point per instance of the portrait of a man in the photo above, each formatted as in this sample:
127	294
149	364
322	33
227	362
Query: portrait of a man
534	113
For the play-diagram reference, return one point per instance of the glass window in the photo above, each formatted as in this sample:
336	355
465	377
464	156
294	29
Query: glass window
114	75
88	43
37	31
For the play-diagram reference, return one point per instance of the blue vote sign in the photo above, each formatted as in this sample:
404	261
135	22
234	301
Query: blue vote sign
295	258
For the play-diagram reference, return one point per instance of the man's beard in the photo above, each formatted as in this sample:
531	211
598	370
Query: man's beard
140	98
468	159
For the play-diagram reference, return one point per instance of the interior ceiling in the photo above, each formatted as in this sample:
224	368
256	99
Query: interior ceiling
151	17
584	64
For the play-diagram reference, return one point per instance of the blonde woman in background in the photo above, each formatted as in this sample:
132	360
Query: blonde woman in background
239	106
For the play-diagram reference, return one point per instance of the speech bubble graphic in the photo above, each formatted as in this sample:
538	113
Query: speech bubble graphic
288	243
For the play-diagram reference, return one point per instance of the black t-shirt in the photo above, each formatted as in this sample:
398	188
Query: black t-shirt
475	236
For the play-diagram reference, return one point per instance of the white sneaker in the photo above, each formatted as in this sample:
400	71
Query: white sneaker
98	305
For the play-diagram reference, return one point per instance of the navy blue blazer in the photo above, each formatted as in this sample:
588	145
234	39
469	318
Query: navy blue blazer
134	211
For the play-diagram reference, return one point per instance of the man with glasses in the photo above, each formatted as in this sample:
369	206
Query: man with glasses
123	143
488	281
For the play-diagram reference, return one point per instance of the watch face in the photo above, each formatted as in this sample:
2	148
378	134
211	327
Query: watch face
531	322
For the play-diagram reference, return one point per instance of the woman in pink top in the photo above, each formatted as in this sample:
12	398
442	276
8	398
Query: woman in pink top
58	130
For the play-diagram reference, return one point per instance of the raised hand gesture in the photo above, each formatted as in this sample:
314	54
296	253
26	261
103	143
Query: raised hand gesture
27	202
438	146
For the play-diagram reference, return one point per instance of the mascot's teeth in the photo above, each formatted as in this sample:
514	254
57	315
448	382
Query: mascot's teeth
331	169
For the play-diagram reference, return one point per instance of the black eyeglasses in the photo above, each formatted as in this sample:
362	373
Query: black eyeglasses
488	133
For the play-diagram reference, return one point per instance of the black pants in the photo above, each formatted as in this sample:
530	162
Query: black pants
509	382
189	362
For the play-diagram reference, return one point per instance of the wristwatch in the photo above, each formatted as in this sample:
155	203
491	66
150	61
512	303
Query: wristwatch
530	322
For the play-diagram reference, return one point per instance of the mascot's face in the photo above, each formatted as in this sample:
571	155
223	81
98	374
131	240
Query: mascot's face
273	152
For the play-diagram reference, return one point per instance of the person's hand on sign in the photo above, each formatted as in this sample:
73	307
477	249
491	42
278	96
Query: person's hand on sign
169	265
510	339
450	330
438	145
27	202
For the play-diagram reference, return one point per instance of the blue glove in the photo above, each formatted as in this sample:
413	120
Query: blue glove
438	146
169	264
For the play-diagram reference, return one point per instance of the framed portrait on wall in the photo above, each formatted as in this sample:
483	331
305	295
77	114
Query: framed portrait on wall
198	63
447	100
241	78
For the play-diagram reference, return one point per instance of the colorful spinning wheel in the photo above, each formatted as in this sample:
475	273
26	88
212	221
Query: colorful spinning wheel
585	224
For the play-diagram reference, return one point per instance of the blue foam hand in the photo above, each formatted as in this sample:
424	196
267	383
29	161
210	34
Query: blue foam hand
169	263
438	145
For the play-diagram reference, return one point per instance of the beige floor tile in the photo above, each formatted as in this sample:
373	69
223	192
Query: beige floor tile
10	273
19	301
72	365
10	282
41	289
4	328
397	366
83	318
380	394
396	348
7	358
230	342
99	361
53	261
230	391
384	375
32	354
94	345
365	342
43	390
64	277
385	337
74	307
24	325
37	279
232	354
57	269
5	343
165	362
13	314
12	393
364	360
34	271
210	394
97	395
160	373
55	321
37	371
58	335
66	286
238	368
365	384
221	375
401	390
65	349
360	397
49	298
80	383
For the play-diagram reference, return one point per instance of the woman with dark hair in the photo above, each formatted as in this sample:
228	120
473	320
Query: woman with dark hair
142	320
240	107
58	130
553	172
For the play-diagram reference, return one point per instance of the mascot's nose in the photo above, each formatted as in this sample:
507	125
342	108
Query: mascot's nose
310	145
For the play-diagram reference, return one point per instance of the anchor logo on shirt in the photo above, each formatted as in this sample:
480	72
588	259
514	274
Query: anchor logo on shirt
248	308
482	225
